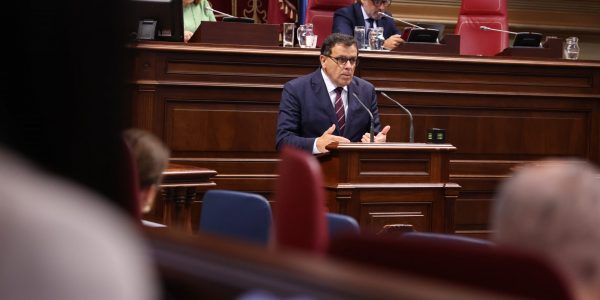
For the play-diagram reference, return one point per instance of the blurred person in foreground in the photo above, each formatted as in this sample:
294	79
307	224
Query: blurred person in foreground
552	208
61	241
194	12
320	108
64	233
151	159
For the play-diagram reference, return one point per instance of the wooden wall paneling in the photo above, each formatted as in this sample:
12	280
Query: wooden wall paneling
498	112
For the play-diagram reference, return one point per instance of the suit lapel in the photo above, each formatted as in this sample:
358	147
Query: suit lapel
322	100
358	15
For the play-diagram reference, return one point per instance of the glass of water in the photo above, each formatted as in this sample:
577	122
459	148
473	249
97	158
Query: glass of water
288	34
359	36
376	38
571	48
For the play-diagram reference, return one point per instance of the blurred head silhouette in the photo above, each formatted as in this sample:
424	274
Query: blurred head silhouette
151	158
553	208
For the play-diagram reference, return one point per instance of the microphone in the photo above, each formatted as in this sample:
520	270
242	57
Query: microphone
411	133
522	39
485	28
220	12
400	20
372	129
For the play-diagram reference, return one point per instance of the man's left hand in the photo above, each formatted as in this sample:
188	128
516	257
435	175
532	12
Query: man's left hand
379	138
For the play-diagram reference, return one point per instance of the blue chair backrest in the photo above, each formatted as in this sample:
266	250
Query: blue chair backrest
338	224
239	215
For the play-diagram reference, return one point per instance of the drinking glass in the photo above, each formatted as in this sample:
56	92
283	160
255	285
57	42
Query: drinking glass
288	34
311	41
376	38
305	35
571	48
359	35
301	36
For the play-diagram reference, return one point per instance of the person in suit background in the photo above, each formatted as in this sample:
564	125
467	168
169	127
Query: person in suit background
319	108
551	208
194	12
366	13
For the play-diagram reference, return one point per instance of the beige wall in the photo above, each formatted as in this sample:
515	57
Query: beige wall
561	18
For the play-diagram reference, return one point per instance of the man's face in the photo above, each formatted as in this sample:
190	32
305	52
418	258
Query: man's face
373	9
340	73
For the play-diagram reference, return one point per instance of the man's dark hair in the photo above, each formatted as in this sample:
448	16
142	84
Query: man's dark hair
337	38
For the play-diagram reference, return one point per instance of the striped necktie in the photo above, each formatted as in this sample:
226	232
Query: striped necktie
339	110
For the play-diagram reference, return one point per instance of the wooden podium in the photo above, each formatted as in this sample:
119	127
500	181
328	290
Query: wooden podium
391	183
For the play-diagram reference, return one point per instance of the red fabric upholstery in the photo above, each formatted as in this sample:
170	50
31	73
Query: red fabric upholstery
476	13
320	14
462	262
299	209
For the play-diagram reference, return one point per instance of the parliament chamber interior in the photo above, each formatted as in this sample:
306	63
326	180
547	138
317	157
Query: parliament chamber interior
232	217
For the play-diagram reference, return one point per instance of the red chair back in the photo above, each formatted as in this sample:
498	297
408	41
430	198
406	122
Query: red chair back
299	209
474	264
476	13
320	14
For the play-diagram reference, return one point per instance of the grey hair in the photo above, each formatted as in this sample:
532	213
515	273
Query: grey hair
553	208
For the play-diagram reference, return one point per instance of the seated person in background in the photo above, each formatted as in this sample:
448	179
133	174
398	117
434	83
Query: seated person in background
366	13
194	12
553	208
319	108
151	157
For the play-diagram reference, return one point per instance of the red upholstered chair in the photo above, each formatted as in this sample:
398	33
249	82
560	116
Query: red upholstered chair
299	220
460	261
320	14
476	13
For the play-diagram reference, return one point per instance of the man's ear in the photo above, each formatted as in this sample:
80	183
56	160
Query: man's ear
147	197
322	58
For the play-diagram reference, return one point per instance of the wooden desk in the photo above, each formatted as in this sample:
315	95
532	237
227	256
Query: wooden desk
178	204
216	107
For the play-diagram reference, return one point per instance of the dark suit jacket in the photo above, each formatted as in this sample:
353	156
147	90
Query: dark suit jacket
344	20
305	111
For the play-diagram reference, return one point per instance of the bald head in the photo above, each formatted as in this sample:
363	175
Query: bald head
553	208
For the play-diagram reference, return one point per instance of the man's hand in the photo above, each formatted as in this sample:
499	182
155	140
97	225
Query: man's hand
393	41
379	138
328	138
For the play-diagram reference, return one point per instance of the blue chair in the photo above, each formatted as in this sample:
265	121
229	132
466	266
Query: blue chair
338	224
240	215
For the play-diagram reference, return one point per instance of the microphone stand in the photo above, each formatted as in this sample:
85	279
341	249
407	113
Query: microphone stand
372	129
220	12
485	28
411	134
402	21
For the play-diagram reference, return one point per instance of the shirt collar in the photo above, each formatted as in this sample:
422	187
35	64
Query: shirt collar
365	16
329	84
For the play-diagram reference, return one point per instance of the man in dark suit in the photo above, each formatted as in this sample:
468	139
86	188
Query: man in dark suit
320	108
366	13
